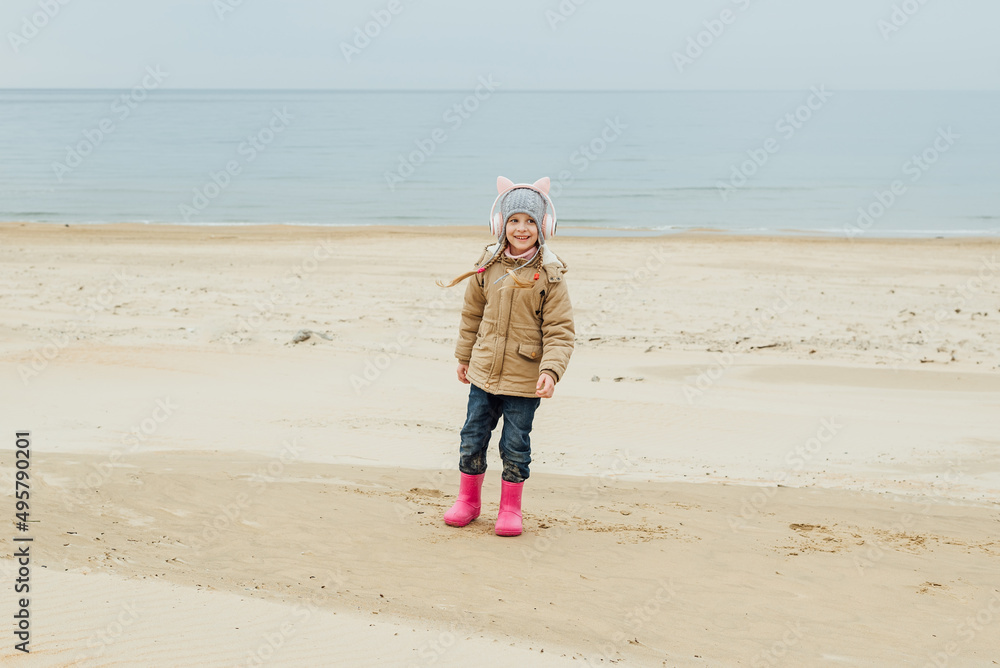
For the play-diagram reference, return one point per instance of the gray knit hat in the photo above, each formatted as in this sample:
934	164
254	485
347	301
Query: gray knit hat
523	200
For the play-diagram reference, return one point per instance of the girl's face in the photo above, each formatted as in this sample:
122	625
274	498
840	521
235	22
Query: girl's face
522	233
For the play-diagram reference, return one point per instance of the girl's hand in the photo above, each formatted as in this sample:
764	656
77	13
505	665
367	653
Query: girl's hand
545	386
462	368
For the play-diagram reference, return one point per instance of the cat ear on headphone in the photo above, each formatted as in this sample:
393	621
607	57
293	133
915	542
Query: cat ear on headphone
543	184
503	183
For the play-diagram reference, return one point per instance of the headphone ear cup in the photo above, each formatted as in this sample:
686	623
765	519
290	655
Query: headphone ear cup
549	229
497	224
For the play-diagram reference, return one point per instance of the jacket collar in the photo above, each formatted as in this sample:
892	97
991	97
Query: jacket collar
548	257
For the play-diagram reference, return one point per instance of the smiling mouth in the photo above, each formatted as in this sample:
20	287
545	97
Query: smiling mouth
520	238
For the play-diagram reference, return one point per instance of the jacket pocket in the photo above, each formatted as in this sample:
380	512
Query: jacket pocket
481	335
530	350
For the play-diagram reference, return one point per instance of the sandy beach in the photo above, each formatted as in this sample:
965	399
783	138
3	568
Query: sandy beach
765	452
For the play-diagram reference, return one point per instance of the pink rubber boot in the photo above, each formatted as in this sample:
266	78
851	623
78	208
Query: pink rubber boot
509	518
466	507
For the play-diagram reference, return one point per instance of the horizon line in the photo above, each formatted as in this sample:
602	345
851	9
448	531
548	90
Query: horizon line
516	90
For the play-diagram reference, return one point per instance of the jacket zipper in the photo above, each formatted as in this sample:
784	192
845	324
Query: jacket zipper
541	304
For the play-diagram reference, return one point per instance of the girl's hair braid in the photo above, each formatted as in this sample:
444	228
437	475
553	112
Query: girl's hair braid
496	256
536	265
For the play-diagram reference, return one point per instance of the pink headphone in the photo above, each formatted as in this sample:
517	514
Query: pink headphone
547	228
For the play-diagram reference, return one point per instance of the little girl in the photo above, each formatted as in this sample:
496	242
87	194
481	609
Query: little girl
515	340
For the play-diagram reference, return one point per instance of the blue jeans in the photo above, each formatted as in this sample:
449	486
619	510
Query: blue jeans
481	419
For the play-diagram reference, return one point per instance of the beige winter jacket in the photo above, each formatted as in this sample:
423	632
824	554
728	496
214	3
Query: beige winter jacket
509	335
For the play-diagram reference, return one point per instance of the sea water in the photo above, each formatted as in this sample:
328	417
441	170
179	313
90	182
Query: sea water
813	161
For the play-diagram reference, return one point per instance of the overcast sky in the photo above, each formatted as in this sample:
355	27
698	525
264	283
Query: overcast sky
524	44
